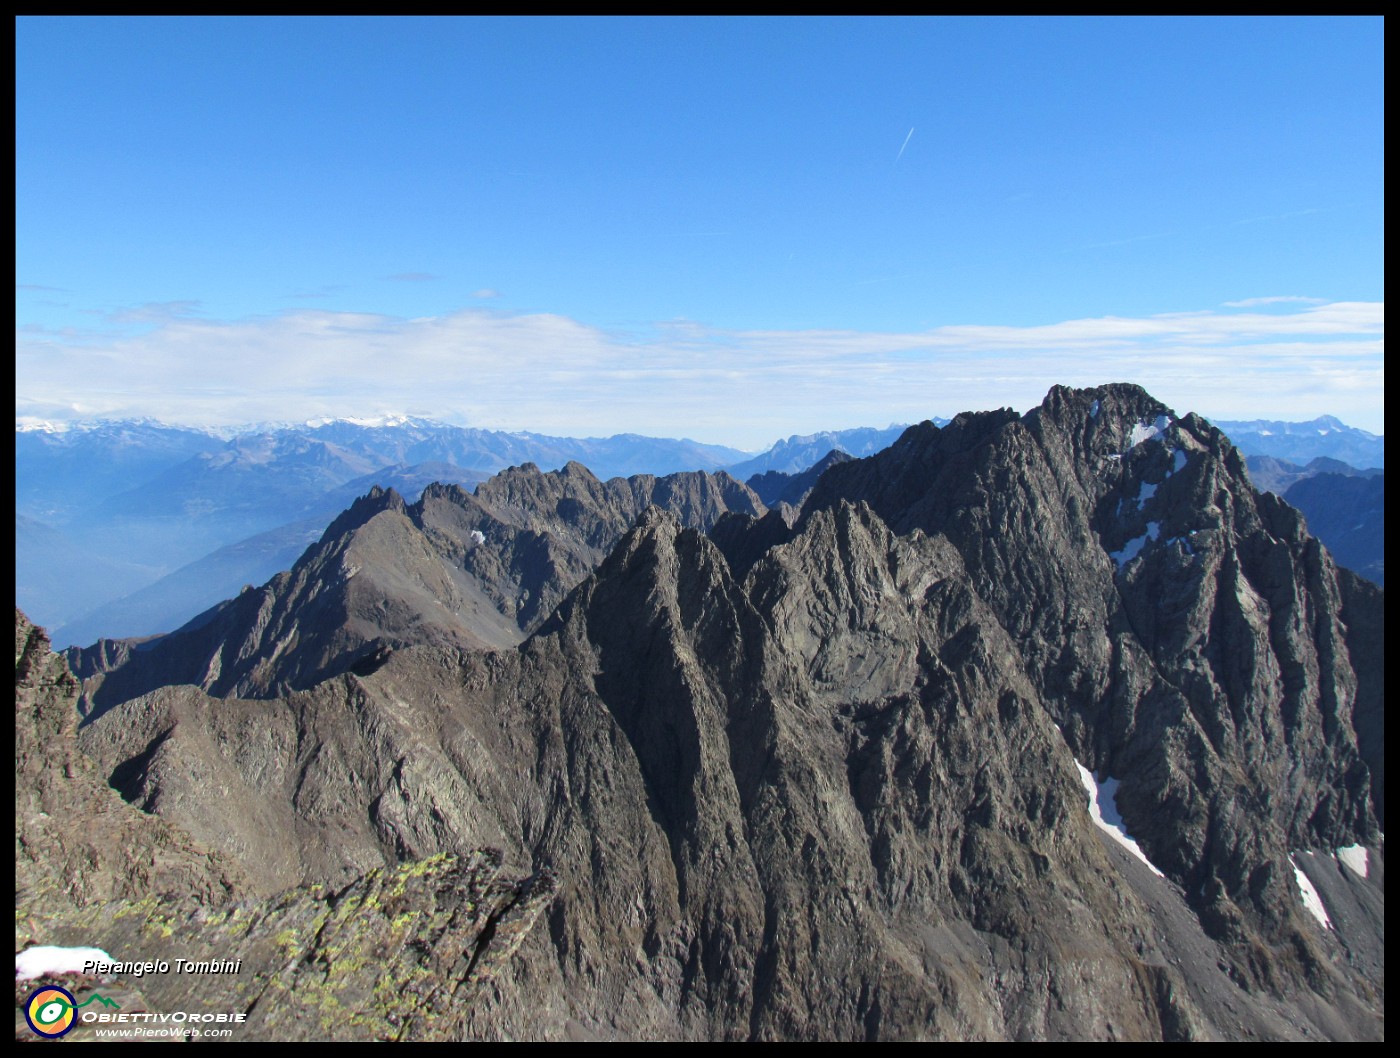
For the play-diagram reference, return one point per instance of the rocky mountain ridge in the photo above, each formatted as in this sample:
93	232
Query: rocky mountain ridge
822	776
468	569
130	528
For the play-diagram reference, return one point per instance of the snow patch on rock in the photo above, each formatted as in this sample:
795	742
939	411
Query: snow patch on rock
1312	902
1147	431
1355	857
1134	547
1103	809
46	959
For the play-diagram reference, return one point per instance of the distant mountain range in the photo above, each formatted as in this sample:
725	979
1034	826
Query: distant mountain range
1347	513
1300	442
132	527
801	451
1344	506
1271	474
774	486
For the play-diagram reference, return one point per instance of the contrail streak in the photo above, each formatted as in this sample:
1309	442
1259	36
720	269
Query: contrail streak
900	155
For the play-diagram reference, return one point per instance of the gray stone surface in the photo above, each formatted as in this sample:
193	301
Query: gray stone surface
398	953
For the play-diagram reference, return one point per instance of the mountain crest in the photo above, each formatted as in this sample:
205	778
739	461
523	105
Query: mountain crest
376	501
829	777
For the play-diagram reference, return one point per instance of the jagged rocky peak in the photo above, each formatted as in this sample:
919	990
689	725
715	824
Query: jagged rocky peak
526	485
366	507
1177	624
472	571
868	771
657	520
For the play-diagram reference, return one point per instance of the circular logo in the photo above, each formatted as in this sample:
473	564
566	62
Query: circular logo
50	1011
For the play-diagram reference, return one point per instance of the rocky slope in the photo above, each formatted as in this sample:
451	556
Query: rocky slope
76	842
398	953
824	777
468	570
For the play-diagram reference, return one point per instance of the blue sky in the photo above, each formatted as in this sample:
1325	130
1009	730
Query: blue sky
729	229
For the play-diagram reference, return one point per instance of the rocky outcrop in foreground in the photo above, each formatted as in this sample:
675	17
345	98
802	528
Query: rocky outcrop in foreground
398	953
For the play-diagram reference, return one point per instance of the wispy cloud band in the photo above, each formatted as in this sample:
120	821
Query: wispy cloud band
744	387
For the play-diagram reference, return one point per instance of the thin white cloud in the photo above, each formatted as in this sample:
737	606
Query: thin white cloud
413	277
314	293
153	312
1124	242
1287	216
744	387
1280	299
486	293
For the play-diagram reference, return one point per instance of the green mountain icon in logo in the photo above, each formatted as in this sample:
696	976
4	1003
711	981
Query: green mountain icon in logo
97	997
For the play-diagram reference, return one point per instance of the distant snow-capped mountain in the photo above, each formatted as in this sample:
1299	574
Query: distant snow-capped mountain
1300	442
161	499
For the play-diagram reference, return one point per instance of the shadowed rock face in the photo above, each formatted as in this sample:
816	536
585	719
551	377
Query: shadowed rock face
817	778
471	571
397	953
76	842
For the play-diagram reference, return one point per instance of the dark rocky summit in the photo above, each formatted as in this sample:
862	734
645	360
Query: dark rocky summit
821	774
